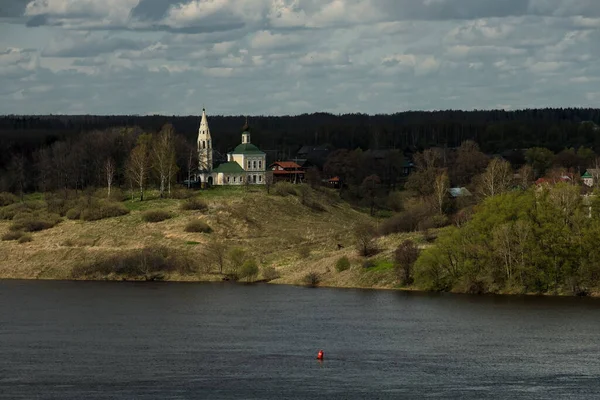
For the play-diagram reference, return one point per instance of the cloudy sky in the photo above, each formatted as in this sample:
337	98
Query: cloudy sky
295	56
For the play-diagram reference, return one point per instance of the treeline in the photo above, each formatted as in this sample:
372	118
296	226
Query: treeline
127	158
495	131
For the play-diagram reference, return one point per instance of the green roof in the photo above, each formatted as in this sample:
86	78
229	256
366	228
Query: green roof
229	168
246	148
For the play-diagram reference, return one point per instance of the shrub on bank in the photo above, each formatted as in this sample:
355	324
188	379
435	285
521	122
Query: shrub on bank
11	210
7	199
147	263
156	215
25	238
12	235
198	225
342	264
194	203
249	270
33	222
103	209
270	273
311	279
284	189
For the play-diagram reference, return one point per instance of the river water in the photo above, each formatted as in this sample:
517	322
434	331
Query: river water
103	340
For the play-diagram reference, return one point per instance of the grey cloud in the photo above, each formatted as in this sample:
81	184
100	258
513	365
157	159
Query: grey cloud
12	8
89	47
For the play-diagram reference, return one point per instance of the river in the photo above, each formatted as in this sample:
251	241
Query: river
117	340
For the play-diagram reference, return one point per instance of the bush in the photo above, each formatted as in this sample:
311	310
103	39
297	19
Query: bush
284	189
148	263
194	203
365	234
26	237
436	221
10	211
311	279
270	273
368	264
7	199
405	257
103	209
342	264
73	213
249	270
182	193
13	235
116	194
33	222
403	222
156	215
198	225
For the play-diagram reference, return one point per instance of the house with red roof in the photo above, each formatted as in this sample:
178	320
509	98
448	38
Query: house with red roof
288	171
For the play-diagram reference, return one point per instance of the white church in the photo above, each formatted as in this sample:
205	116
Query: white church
245	163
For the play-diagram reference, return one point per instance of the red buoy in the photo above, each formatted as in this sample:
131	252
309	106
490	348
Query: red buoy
320	355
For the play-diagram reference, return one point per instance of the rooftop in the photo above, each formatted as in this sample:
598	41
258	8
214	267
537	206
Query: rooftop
229	168
246	148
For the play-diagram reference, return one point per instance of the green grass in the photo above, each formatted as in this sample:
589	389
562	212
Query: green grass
381	265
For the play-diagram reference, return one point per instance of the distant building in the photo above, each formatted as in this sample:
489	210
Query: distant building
287	171
590	178
245	164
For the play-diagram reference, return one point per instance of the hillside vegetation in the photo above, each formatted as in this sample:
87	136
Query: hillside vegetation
293	235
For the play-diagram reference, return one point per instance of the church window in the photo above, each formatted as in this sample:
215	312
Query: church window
203	144
249	164
227	179
254	164
259	164
234	179
260	178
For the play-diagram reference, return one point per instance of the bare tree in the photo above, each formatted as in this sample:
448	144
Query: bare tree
17	169
163	157
365	234
109	172
525	176
440	189
216	253
192	161
268	181
405	256
138	165
496	179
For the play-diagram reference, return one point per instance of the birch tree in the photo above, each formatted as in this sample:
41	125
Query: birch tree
109	169
496	179
163	158
138	164
440	188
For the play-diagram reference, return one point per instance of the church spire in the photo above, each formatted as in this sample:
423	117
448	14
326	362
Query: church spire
205	156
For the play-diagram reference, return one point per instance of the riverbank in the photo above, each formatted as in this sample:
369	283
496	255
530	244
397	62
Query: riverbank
288	236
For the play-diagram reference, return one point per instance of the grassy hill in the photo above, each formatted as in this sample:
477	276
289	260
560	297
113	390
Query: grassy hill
290	233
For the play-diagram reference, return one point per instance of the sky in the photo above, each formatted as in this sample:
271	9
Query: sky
287	57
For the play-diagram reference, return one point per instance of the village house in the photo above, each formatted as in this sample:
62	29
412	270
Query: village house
287	171
245	164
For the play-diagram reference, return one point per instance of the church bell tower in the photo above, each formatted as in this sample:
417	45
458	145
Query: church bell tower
205	153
